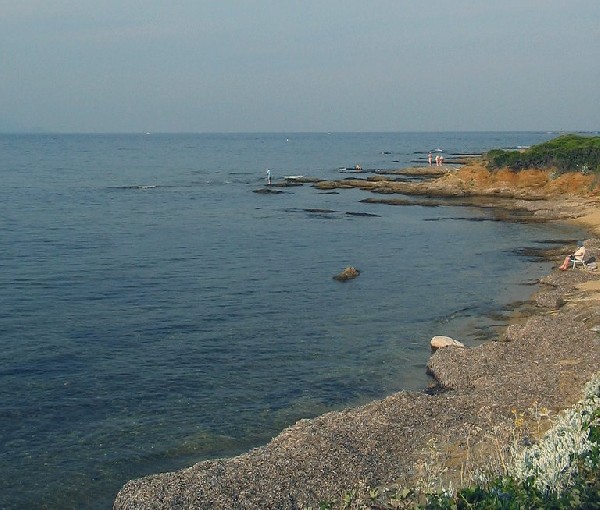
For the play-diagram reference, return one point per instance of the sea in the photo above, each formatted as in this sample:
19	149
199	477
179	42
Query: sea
156	311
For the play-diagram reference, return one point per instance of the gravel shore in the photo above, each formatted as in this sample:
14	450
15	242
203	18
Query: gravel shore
534	370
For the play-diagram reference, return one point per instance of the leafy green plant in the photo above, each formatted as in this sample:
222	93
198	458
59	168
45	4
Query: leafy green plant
566	153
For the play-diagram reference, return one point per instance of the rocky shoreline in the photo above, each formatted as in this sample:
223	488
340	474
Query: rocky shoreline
408	439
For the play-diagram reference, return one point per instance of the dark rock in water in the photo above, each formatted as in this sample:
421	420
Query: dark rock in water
319	211
347	274
350	213
301	179
267	191
288	184
347	170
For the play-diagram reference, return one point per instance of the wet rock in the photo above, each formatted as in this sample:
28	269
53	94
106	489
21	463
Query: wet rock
267	191
347	274
370	215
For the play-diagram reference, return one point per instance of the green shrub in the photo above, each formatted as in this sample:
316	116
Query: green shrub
567	153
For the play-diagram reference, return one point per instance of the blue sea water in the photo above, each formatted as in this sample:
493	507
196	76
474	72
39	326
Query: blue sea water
156	312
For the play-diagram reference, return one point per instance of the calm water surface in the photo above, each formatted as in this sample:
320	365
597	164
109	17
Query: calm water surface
156	312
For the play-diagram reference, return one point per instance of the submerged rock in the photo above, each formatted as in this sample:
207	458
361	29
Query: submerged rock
267	191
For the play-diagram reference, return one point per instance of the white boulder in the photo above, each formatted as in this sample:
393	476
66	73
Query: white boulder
440	341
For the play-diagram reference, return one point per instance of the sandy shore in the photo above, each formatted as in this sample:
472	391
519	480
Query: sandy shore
487	396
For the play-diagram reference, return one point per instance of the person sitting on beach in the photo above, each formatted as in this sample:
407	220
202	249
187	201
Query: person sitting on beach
577	255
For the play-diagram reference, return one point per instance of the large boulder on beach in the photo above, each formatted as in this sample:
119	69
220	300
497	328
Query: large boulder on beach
347	274
441	341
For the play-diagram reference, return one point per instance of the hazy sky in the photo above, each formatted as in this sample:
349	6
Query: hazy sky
282	65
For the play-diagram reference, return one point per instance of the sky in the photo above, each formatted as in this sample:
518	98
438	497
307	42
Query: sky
290	66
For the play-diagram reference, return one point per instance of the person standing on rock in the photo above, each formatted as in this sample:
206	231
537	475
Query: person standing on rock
268	177
429	158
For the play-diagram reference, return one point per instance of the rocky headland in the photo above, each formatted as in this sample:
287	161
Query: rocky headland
533	370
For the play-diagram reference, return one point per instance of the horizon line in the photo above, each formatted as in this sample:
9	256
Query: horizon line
150	133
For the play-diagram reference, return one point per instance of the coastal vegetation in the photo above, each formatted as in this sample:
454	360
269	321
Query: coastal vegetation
558	470
566	153
568	165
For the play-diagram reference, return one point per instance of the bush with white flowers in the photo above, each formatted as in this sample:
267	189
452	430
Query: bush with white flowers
554	462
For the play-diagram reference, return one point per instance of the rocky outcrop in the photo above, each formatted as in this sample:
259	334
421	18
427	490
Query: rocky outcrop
532	191
347	274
